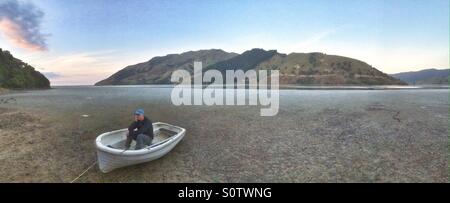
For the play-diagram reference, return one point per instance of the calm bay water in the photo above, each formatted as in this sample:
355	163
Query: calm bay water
349	97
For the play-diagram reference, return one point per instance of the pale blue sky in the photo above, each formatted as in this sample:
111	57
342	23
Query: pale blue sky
102	36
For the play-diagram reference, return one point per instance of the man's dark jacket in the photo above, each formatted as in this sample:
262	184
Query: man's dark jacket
143	127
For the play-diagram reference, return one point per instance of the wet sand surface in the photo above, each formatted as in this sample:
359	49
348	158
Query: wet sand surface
317	136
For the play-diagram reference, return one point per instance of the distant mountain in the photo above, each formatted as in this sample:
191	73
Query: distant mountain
16	74
427	76
159	69
295	68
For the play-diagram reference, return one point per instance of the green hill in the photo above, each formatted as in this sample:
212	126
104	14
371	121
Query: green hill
245	61
323	69
16	74
159	69
295	68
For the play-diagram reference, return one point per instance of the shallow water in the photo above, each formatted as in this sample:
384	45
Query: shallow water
330	135
65	98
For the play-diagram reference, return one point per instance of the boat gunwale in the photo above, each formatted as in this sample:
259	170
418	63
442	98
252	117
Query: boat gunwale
146	150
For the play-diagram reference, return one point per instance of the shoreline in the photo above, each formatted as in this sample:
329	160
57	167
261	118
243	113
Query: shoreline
4	91
379	136
281	87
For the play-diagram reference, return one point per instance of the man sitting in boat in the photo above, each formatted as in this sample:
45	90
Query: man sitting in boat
141	130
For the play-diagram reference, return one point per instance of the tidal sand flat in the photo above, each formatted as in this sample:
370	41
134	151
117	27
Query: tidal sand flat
318	136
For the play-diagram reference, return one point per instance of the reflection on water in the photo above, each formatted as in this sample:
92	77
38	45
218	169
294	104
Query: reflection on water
300	87
67	97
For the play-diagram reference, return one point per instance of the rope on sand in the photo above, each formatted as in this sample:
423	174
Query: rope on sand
83	172
93	164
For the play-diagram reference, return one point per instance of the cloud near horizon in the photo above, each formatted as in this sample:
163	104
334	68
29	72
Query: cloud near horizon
20	24
82	68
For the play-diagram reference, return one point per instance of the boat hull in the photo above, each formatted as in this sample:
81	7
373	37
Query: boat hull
110	159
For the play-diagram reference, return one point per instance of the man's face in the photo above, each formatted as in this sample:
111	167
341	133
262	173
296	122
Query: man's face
138	117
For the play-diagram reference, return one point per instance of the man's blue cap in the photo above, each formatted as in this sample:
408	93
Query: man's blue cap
139	112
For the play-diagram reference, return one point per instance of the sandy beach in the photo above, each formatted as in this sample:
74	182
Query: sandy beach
318	136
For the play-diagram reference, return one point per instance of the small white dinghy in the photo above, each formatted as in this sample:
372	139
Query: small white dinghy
112	155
